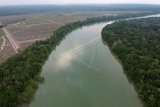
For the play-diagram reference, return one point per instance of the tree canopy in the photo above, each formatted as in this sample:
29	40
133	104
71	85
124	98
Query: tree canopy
137	45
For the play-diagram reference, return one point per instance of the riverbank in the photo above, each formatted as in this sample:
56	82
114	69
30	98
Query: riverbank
84	74
121	63
17	72
139	59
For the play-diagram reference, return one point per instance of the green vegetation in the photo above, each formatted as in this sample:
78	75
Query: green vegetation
1	26
25	9
18	75
137	44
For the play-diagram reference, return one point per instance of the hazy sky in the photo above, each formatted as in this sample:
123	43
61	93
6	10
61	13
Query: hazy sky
17	2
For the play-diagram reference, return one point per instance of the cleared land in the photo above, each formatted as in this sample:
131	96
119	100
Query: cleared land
6	49
25	29
11	39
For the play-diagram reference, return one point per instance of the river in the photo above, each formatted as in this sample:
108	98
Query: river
82	72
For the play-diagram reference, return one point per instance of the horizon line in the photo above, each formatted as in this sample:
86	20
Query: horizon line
81	4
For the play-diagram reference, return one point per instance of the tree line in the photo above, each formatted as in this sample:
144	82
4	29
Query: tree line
137	45
19	75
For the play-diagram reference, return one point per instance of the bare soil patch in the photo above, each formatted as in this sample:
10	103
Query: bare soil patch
41	25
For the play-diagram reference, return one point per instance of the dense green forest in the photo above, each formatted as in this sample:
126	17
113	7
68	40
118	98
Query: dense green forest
24	9
19	75
137	44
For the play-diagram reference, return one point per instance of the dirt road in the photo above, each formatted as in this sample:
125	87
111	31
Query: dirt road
11	39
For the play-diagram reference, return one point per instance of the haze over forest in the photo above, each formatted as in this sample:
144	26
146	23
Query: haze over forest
62	2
